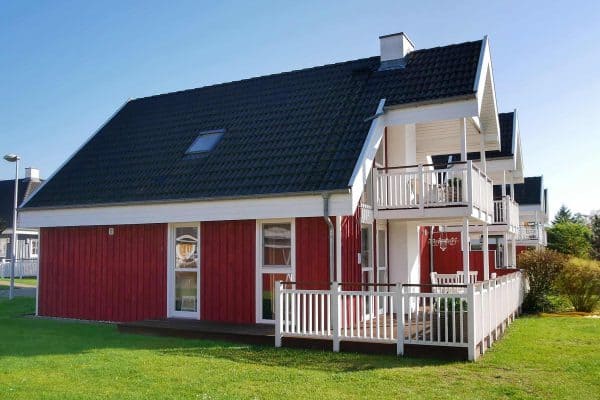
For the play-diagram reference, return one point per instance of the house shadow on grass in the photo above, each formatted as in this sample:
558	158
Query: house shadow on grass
29	337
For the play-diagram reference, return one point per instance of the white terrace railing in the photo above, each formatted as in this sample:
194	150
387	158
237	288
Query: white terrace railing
422	186
23	268
471	316
506	211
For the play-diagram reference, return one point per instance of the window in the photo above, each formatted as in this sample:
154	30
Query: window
205	142
185	270
33	250
276	262
277	245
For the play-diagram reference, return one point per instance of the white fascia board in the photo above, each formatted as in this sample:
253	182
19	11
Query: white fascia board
73	155
450	110
210	210
367	156
484	67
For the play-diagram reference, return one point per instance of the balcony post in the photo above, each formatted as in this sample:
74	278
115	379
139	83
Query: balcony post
486	253
514	251
505	253
463	139
466	248
421	187
482	153
504	184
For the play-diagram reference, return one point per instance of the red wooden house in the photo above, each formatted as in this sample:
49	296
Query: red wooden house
193	204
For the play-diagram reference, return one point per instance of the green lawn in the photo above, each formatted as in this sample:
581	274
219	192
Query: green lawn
540	357
5	282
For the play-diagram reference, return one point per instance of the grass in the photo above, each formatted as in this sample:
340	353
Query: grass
540	357
5	282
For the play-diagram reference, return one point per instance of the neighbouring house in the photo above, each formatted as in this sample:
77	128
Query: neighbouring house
532	197
27	238
196	204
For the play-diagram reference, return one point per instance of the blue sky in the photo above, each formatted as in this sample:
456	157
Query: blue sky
65	67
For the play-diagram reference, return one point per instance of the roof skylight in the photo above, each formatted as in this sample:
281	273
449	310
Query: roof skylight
205	142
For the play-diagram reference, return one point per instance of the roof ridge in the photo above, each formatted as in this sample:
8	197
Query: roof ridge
316	67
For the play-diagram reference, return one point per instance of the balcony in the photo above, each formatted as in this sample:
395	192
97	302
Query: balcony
506	212
425	191
532	235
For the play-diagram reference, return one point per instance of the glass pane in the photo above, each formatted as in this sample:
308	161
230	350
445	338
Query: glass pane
382	276
186	247
277	244
366	245
268	291
381	254
186	291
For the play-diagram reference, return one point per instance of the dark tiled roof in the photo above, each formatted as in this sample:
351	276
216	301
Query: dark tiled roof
300	131
529	192
7	192
506	143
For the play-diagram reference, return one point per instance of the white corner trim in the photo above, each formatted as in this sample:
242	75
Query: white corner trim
483	56
74	153
172	212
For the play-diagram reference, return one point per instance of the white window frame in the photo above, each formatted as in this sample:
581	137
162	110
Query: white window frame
261	269
171	312
31	247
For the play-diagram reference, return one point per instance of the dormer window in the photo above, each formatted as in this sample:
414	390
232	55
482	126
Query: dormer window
205	142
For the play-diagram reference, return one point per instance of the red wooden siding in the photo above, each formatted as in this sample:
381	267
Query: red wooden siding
450	261
351	247
312	252
228	271
86	273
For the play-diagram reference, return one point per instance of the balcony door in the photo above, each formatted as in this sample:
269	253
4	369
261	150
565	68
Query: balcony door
184	271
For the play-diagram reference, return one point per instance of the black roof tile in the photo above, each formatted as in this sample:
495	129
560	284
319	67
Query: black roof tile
7	192
300	131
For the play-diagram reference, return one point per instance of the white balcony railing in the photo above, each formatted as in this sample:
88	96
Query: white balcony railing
506	211
531	233
422	186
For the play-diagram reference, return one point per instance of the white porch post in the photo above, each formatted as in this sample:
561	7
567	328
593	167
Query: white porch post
486	253
463	139
505	253
466	248
338	248
482	154
335	317
278	313
504	184
512	186
514	251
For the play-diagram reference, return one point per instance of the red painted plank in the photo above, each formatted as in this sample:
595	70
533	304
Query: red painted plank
88	274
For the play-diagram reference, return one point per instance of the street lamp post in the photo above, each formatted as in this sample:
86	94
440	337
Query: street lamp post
14	158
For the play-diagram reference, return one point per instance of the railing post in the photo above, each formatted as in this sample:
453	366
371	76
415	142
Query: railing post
278	313
471	314
335	315
399	300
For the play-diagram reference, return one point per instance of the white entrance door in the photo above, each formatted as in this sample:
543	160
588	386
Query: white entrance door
184	267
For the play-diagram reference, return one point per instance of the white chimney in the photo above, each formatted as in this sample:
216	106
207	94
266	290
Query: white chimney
395	46
32	174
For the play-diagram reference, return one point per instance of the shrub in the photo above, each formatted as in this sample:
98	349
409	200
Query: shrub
542	268
580	283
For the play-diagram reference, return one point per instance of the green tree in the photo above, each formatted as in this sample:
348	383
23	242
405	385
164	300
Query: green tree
566	215
570	238
595	227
